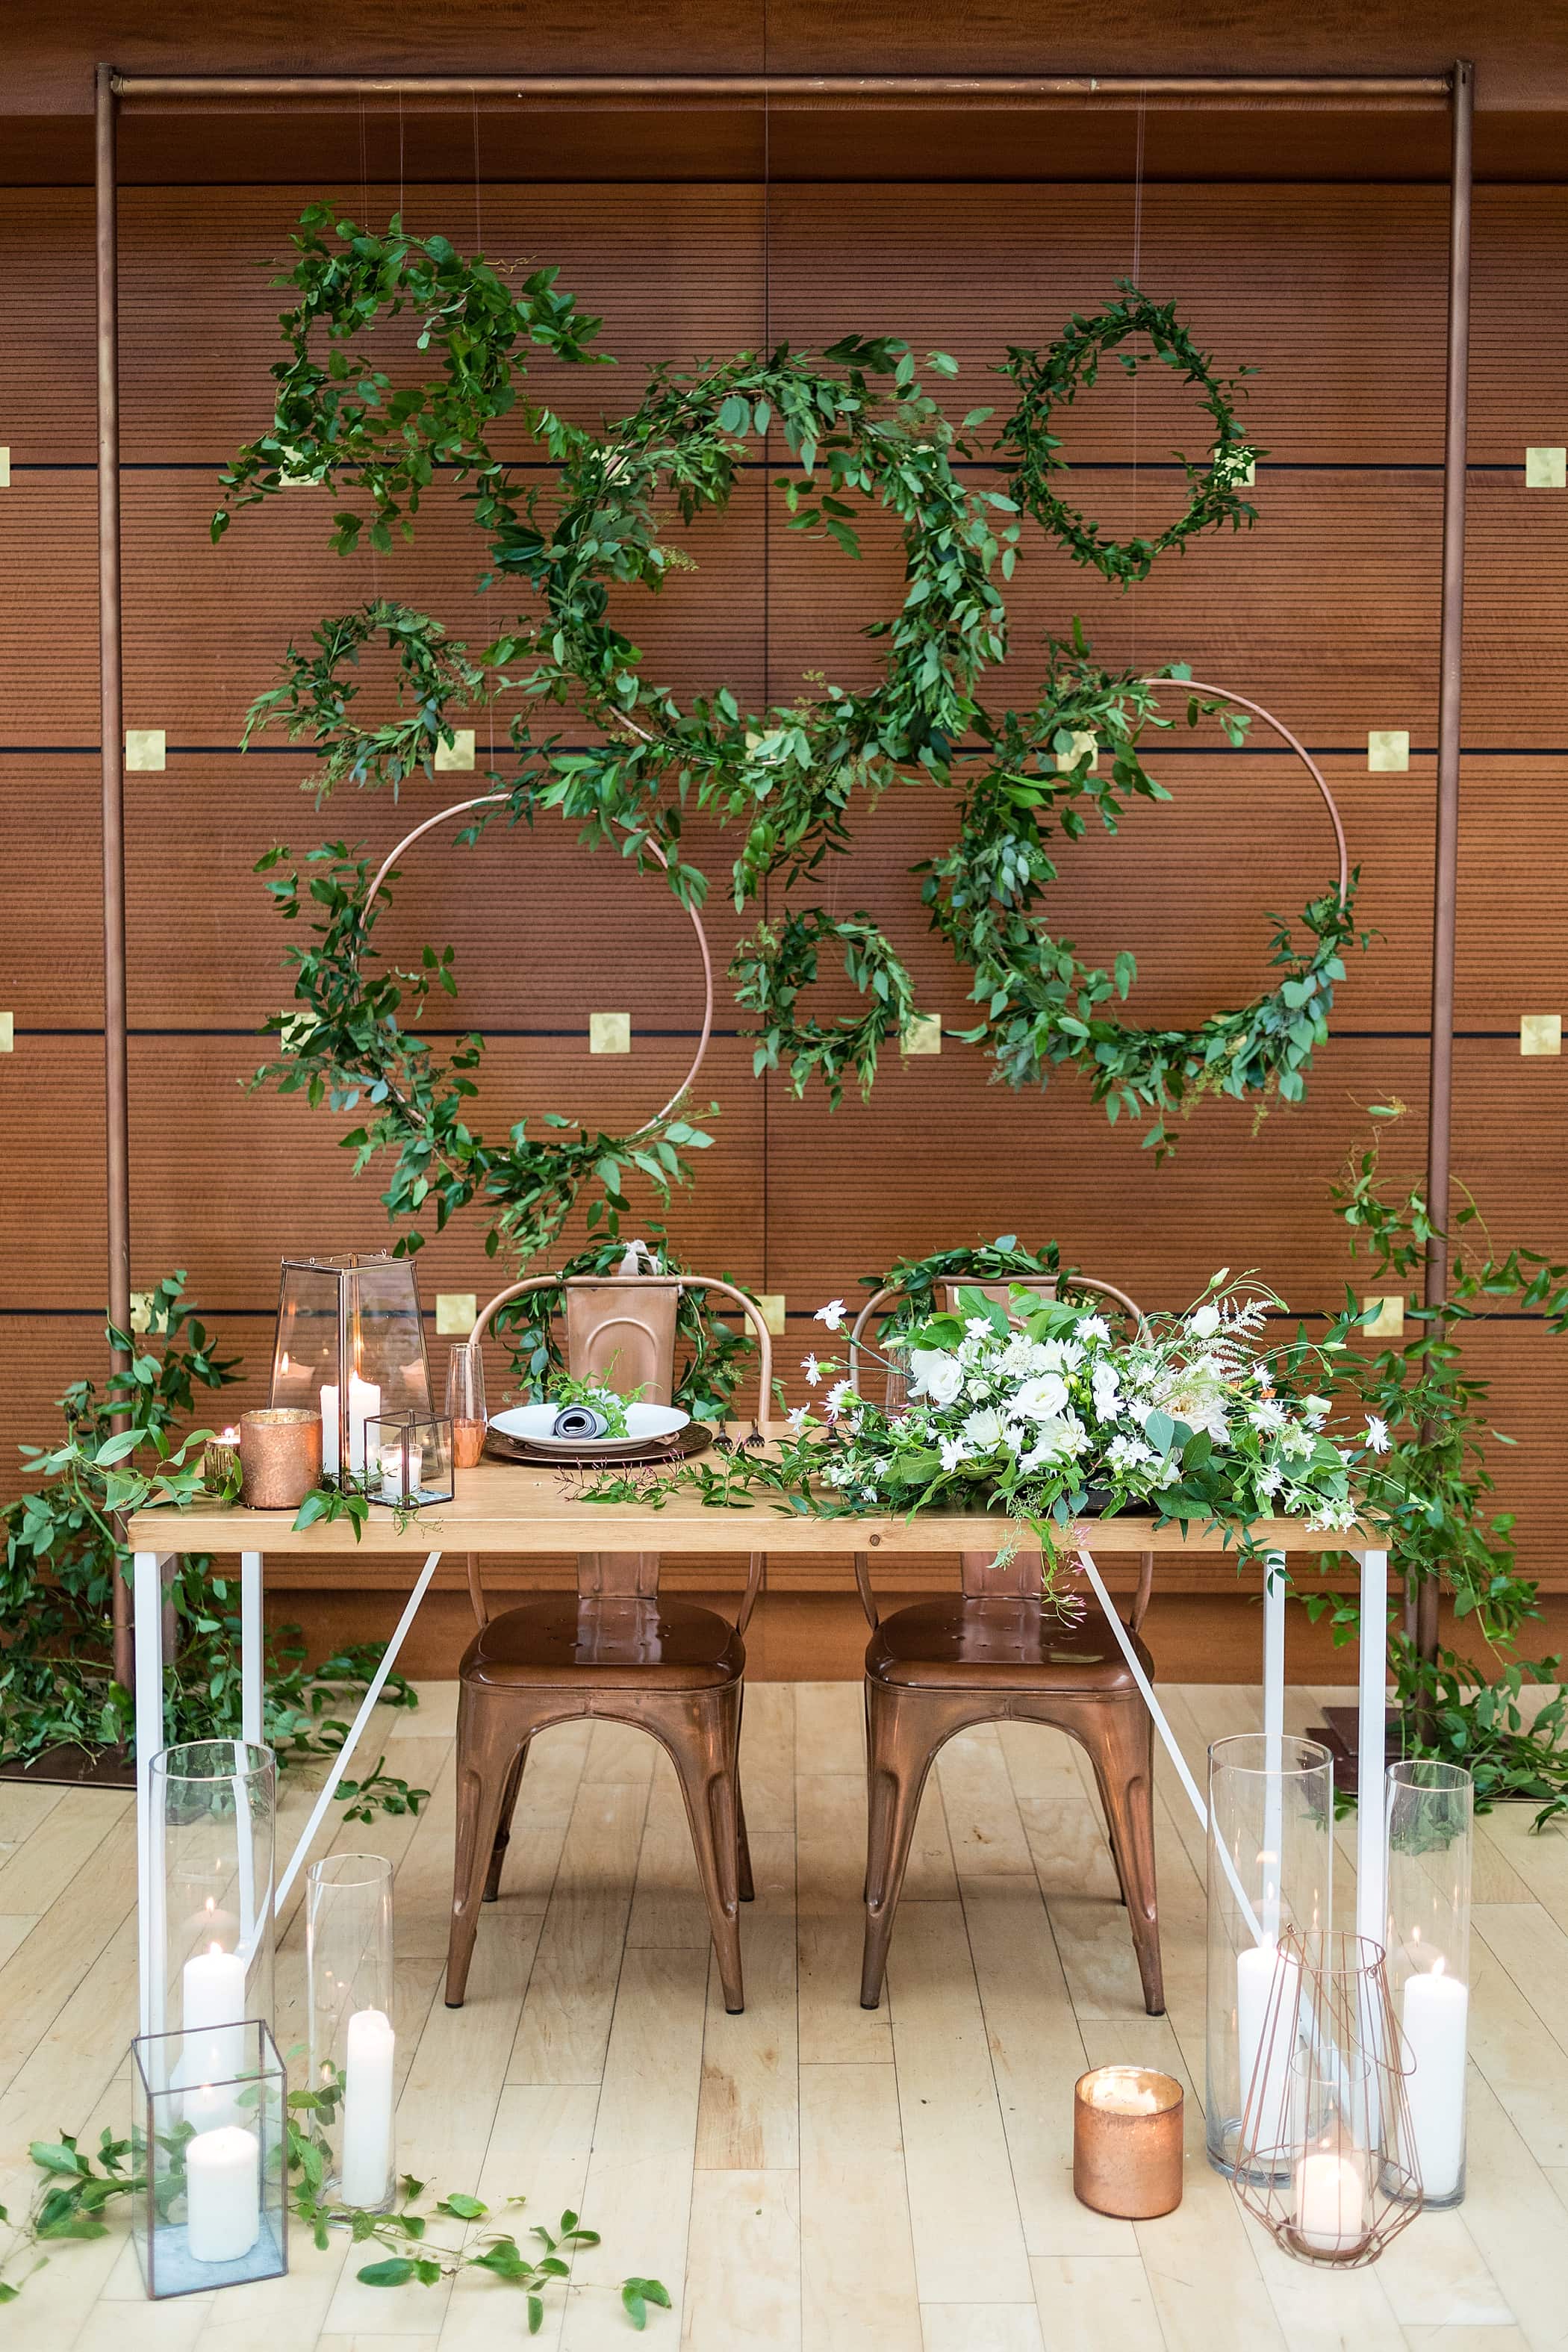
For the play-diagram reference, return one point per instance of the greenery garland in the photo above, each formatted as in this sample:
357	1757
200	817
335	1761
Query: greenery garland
859	428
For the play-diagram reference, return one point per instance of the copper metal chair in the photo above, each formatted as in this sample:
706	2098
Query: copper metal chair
613	1649
994	1652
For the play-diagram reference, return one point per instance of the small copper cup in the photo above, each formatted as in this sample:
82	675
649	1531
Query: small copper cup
279	1457
1127	2142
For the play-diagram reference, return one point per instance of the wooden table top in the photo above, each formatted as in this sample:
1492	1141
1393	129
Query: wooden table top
503	1508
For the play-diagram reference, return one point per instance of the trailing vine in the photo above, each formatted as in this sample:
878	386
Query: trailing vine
1436	1484
859	429
63	1552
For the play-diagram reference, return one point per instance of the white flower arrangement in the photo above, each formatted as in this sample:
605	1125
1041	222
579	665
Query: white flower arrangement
1037	1408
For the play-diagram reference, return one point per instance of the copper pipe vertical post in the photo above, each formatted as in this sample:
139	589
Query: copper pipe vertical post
111	737
1421	1620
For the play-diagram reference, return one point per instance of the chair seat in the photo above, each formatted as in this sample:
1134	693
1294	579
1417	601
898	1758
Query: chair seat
952	1641
564	1641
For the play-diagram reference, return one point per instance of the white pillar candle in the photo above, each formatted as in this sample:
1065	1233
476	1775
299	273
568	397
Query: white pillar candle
1268	2116
212	2015
223	2194
367	2109
1435	2014
364	1404
209	2107
393	1489
1330	2202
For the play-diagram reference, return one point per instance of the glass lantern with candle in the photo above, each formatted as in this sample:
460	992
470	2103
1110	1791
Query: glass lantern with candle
211	1807
408	1459
353	2050
1431	1816
209	2139
351	1346
1270	1869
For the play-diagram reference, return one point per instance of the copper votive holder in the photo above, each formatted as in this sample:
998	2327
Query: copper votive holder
279	1457
220	1456
1127	2142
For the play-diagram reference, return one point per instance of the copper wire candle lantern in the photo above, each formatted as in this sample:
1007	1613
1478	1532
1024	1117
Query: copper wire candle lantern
279	1457
1127	2126
350	1347
1329	2168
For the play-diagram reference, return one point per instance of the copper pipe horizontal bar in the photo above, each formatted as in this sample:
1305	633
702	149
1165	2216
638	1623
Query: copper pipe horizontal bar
1306	92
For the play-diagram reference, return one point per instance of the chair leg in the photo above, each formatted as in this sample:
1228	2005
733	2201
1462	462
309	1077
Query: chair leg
703	1740
1119	1738
903	1731
504	1833
487	1755
742	1848
742	1844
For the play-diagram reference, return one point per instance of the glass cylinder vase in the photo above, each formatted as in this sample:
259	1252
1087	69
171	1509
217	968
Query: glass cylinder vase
1431	1816
1270	1870
349	1964
214	1805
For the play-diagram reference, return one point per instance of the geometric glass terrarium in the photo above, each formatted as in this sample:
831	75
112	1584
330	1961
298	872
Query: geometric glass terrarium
408	1458
214	2210
350	1346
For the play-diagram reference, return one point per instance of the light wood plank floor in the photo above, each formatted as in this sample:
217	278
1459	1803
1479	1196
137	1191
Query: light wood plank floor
809	2174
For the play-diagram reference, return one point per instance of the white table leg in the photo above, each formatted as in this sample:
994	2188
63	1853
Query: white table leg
367	1705
251	1652
1274	1587
152	1937
1371	1742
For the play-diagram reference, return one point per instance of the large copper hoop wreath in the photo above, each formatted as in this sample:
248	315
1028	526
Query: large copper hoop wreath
344	1040
490	799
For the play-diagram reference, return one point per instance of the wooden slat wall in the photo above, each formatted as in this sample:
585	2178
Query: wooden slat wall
1328	612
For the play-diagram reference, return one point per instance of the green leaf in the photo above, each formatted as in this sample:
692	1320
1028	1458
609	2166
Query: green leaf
396	2270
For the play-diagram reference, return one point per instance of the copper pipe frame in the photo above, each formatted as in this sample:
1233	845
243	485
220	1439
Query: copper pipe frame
1288	91
1304	92
111	739
1420	1606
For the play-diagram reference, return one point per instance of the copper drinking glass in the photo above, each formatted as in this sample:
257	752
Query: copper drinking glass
466	1405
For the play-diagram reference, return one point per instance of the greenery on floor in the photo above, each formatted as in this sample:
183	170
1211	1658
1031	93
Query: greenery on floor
76	2191
1434	1406
126	1445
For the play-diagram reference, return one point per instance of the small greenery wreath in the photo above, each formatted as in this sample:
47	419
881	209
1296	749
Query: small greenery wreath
859	426
1055	378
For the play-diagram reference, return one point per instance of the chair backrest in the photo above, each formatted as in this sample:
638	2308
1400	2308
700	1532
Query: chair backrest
620	1330
1042	1286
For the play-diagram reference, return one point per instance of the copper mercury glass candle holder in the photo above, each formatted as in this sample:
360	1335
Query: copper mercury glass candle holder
279	1457
1127	2126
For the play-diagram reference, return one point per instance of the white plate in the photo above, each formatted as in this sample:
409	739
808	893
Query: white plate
534	1421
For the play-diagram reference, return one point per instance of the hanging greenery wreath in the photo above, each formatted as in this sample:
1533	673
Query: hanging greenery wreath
860	428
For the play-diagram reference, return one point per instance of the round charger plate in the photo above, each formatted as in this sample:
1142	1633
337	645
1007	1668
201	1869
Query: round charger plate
694	1438
646	1424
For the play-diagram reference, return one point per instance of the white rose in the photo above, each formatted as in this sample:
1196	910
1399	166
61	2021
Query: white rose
1205	1322
1040	1399
935	1374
